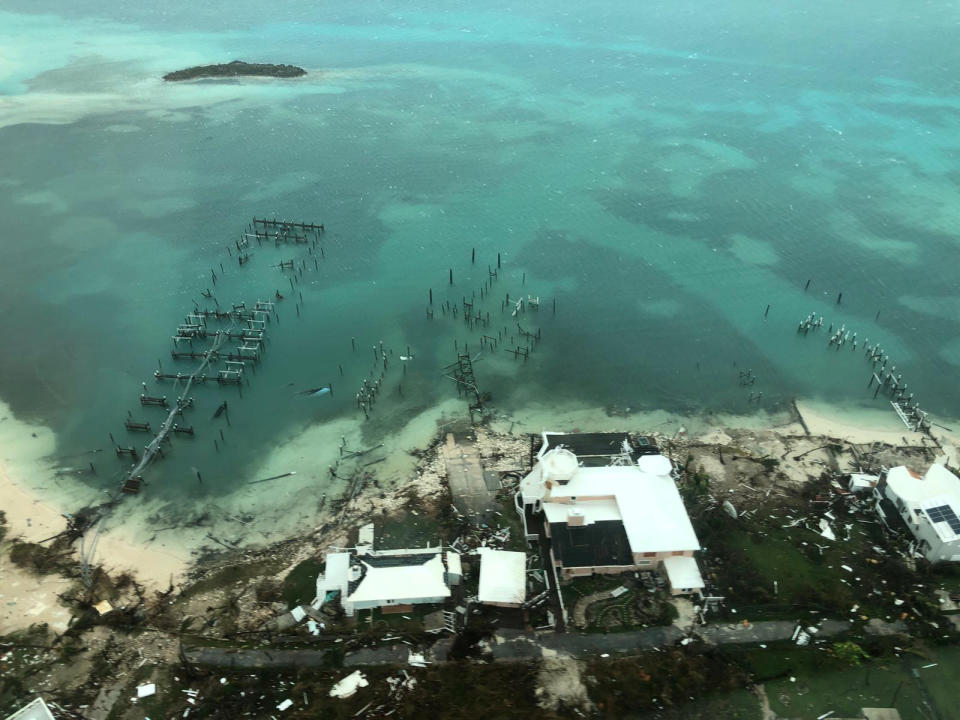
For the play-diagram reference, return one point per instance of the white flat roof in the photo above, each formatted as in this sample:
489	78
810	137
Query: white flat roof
454	566
336	573
592	510
425	580
653	514
34	710
503	576
938	482
683	572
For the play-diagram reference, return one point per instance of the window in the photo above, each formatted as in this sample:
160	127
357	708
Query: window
649	554
675	553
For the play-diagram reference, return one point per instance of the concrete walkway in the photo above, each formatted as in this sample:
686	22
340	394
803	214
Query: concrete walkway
465	475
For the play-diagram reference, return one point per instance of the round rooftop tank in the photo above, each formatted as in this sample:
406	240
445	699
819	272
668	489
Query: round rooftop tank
655	464
559	465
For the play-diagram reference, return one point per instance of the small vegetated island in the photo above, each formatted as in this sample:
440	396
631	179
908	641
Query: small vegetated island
237	68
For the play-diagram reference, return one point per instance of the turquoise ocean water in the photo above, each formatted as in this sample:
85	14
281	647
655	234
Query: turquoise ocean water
664	171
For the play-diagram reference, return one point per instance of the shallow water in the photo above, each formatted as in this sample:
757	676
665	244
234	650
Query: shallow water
663	175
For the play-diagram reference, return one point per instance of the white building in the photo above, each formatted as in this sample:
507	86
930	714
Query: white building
929	506
388	578
503	578
35	710
610	519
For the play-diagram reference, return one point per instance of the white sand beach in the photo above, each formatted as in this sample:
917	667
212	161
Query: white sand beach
35	498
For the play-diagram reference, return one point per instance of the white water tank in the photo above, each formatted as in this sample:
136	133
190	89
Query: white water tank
559	465
655	465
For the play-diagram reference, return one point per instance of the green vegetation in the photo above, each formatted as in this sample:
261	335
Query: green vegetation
849	653
410	621
588	585
300	585
237	68
509	518
412	528
451	691
626	687
807	682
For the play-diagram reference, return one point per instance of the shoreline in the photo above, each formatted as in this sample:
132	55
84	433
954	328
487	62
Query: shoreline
158	556
35	511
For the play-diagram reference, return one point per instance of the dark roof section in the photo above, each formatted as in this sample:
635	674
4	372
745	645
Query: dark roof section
384	561
601	543
596	449
891	517
944	513
352	585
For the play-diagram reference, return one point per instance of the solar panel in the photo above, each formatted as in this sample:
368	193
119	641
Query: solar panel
945	513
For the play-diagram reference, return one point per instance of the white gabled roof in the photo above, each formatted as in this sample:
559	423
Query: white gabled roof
425	580
503	577
683	573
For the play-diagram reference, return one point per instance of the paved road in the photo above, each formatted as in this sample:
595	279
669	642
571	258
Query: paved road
762	632
514	645
519	645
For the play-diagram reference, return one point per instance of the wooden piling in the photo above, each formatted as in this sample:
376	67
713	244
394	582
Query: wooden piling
451	276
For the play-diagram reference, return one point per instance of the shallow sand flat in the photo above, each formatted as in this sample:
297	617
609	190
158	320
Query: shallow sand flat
27	599
856	425
572	417
147	535
35	500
